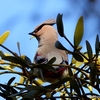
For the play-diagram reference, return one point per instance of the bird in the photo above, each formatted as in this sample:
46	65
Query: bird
47	36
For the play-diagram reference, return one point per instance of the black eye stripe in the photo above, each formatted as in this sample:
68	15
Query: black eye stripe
39	28
36	30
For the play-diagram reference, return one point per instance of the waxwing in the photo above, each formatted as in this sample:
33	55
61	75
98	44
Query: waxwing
47	35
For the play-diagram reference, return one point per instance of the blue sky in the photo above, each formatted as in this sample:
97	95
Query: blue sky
22	16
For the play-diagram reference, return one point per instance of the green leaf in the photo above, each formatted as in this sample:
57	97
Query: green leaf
16	60
93	70
52	60
2	95
58	84
77	56
7	93
70	71
2	54
60	46
3	86
75	86
79	48
31	94
59	23
16	94
46	67
89	50
97	46
34	88
4	36
78	34
18	45
22	80
97	80
29	88
8	87
9	83
26	58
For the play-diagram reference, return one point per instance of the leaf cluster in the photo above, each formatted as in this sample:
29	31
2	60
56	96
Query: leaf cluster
84	71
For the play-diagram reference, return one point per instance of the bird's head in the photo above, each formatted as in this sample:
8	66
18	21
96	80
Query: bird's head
44	29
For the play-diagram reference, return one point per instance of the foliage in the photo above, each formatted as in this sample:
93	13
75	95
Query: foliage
83	78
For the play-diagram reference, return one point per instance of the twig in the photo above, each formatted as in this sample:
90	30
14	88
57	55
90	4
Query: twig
8	50
6	72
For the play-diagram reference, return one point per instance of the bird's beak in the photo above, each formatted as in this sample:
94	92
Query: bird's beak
33	35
